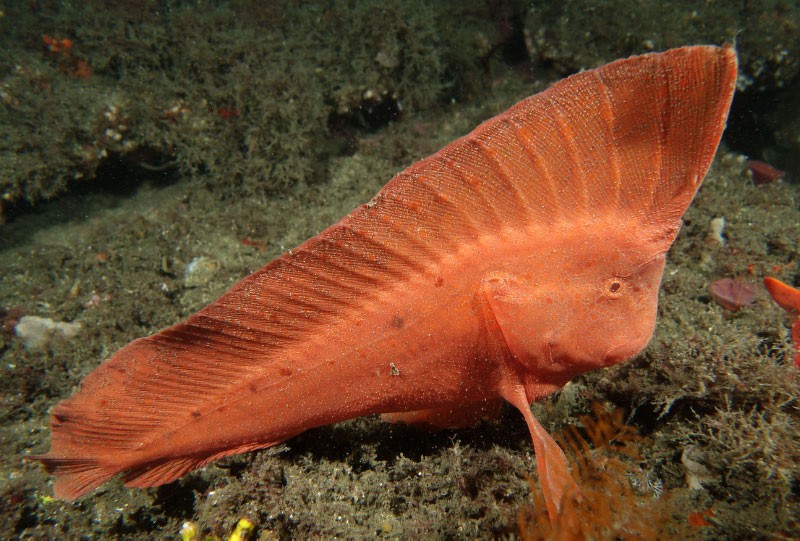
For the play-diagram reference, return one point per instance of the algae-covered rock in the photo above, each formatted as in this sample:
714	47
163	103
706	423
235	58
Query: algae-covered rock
576	34
253	95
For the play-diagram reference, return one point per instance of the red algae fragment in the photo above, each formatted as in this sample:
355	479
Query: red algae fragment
733	293
763	173
697	519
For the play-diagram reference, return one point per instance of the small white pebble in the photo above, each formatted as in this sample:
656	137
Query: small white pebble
36	332
717	230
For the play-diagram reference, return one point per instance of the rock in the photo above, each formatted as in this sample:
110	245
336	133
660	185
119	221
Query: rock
199	271
37	332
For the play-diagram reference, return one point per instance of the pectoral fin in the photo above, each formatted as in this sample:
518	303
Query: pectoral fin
551	463
502	297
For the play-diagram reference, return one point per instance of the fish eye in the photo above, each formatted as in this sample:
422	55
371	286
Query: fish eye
614	287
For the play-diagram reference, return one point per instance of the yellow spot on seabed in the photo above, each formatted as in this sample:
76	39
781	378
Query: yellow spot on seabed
188	532
243	529
45	499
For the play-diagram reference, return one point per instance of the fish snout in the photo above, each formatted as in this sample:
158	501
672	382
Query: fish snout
619	353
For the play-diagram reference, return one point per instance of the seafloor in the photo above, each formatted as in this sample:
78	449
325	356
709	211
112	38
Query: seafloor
713	399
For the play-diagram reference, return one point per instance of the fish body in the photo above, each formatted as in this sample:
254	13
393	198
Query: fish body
516	258
418	345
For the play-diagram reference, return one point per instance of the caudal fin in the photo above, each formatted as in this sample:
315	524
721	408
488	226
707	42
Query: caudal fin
78	476
75	476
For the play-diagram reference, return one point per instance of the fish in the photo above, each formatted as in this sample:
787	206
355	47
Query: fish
788	298
515	259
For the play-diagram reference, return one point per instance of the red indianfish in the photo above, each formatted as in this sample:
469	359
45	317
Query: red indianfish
516	258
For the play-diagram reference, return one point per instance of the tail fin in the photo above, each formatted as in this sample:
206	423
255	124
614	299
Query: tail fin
78	476
75	476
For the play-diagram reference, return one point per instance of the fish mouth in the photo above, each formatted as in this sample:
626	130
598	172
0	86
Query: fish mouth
616	354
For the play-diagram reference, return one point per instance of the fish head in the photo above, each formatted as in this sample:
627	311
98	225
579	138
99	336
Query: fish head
609	302
591	304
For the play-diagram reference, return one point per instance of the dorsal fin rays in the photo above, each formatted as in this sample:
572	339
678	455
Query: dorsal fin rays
636	130
577	177
328	286
637	135
544	187
704	88
431	187
605	113
661	133
499	150
476	153
449	166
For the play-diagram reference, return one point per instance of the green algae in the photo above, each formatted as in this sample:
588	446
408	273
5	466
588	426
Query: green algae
242	92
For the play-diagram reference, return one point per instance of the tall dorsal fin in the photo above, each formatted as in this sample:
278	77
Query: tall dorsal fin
633	138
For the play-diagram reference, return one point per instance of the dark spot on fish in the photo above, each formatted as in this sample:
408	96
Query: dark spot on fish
285	371
196	414
398	322
253	387
439	282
